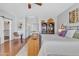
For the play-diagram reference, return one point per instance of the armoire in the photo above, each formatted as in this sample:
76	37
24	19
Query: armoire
48	27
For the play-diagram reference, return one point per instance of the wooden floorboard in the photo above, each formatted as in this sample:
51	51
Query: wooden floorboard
11	48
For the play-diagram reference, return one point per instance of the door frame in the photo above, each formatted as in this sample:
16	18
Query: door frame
10	35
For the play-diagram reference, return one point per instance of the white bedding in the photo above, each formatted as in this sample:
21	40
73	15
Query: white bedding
59	46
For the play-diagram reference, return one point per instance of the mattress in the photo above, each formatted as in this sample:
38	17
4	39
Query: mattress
59	46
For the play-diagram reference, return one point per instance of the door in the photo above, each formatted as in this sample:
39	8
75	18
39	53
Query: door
7	36
6	31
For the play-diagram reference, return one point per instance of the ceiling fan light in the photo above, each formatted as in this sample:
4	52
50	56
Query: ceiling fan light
29	5
39	4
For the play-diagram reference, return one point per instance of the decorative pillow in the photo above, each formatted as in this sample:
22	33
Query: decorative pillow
62	33
76	35
70	33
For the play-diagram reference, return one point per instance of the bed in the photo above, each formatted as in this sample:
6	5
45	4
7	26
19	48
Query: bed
59	46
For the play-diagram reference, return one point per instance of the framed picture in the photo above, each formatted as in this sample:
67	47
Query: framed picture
20	25
73	16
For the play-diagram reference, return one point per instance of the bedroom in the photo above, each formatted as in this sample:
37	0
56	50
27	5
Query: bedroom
53	31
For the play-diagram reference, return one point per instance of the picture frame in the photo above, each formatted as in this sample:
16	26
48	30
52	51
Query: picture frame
20	25
74	16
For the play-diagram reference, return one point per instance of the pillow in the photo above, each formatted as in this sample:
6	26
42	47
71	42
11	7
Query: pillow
70	33
62	33
76	35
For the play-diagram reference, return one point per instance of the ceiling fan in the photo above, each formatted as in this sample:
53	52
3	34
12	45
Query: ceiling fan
29	5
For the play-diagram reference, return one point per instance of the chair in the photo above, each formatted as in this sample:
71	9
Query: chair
16	35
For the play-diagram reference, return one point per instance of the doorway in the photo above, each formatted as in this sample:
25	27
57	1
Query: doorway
6	31
7	36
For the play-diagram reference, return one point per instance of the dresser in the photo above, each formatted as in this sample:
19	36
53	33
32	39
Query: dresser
33	45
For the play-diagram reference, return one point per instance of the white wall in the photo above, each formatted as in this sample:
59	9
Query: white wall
13	19
14	22
13	27
32	24
20	31
1	30
63	18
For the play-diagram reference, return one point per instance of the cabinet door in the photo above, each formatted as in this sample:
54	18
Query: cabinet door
33	47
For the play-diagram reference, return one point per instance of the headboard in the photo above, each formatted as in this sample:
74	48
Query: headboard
72	27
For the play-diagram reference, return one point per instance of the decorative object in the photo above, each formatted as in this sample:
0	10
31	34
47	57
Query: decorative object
62	31
70	33
20	26
62	28
76	35
74	16
16	35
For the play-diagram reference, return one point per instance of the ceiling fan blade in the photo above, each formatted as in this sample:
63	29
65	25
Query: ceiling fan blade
29	5
39	4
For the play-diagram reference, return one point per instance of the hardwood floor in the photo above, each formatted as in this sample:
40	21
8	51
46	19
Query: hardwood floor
11	48
33	45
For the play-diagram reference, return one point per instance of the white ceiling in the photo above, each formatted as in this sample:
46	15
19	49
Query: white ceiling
20	10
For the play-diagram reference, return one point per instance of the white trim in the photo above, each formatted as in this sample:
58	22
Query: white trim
9	28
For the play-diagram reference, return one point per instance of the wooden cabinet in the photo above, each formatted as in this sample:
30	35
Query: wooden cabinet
33	46
48	27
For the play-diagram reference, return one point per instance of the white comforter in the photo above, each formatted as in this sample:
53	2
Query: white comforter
59	46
